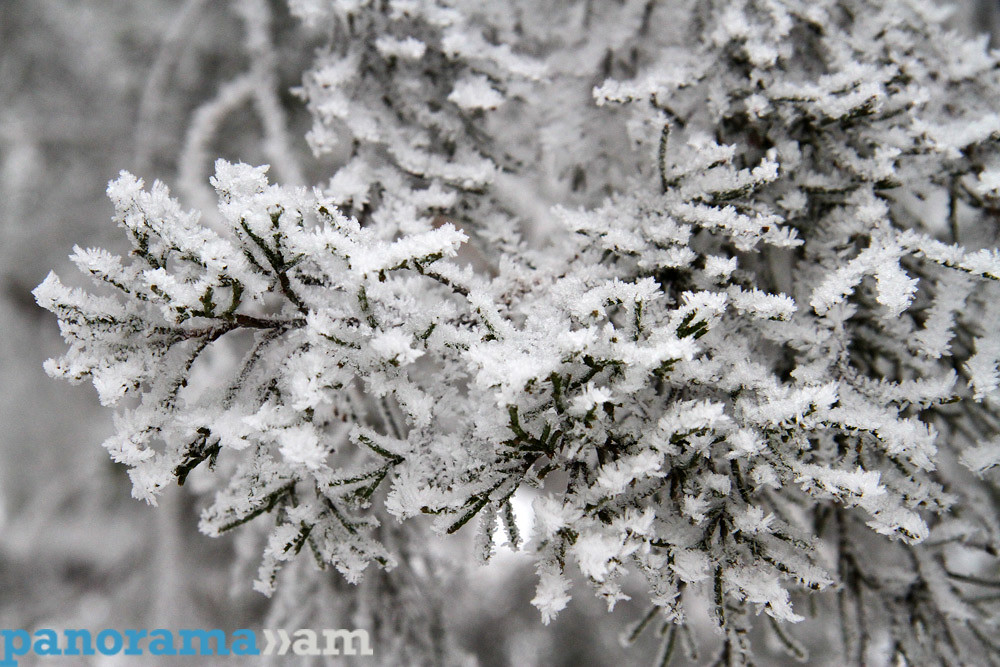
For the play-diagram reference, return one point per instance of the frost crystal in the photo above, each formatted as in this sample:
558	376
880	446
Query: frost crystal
715	312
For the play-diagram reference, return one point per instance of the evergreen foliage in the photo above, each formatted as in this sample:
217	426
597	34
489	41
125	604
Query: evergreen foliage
714	280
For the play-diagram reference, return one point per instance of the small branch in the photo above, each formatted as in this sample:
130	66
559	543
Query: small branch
970	579
661	158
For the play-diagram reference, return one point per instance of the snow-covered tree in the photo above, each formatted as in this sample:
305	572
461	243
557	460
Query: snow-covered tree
715	282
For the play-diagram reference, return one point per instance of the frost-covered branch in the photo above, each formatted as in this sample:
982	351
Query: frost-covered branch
747	362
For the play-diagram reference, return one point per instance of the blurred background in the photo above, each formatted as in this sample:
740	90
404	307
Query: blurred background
90	87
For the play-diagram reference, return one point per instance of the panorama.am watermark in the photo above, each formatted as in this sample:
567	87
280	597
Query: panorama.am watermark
161	642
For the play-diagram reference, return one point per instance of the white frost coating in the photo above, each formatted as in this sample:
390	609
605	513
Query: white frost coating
983	457
984	366
730	318
300	445
408	48
475	93
552	593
